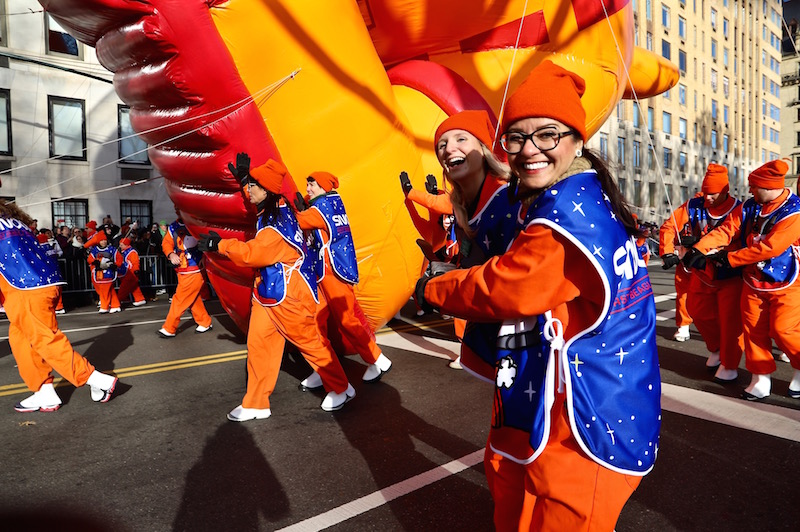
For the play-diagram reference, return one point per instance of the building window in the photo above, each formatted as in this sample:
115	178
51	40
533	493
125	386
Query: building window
725	143
682	161
650	117
713	138
604	145
637	120
713	109
67	124
137	211
666	49
649	41
725	112
5	122
72	213
666	122
621	150
3	29
682	27
682	94
713	18
713	80
682	61
651	195
714	49
637	154
667	158
59	41
682	128
665	16
132	149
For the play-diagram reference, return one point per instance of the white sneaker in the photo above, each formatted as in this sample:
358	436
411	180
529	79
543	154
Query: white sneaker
101	386
241	413
312	382
200	329
784	357
335	401
456	364
375	371
759	388
103	311
713	360
139	303
725	375
61	311
794	386
682	334
45	400
115	310
163	333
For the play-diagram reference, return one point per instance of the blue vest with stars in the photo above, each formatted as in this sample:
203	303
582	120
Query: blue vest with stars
178	229
699	224
613	386
123	270
24	264
108	252
271	289
778	272
341	250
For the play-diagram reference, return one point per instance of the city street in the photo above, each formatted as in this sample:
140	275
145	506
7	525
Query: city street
405	454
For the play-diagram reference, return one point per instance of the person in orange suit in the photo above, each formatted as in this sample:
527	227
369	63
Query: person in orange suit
768	228
713	295
181	250
671	252
129	283
104	260
284	303
337	273
31	283
576	413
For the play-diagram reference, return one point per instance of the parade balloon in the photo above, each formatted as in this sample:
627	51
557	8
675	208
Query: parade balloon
355	88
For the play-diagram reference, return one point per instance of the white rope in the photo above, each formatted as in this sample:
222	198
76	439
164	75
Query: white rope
508	79
266	92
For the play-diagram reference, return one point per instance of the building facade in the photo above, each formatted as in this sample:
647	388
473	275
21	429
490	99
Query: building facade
726	108
67	151
790	87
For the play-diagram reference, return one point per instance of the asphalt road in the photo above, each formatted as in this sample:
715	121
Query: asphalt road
405	454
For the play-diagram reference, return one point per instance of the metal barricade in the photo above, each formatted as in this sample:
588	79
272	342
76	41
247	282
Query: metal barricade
156	272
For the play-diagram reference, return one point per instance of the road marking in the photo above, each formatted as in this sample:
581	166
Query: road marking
379	498
665	297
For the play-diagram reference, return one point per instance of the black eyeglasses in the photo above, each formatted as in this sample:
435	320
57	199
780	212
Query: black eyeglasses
544	139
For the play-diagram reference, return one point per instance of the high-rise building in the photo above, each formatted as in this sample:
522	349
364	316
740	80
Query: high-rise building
726	107
67	151
790	89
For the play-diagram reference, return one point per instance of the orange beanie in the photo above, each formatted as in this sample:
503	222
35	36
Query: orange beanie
326	180
476	122
96	239
42	238
551	92
270	175
716	179
126	241
770	175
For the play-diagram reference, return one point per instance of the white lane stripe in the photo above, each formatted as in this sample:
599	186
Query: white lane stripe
379	498
665	297
666	315
757	417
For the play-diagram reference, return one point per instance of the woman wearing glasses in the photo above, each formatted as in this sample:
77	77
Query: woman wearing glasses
576	410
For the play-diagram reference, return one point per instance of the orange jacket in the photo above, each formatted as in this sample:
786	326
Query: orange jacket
168	247
668	234
268	247
437	204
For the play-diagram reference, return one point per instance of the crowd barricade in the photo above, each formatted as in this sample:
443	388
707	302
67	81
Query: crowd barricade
155	272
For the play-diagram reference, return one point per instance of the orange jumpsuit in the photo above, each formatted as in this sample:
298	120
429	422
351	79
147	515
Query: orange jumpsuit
190	285
340	298
766	314
563	482
668	240
293	319
129	284
103	286
38	345
712	303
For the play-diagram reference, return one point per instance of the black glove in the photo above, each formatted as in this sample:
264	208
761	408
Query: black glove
96	263
669	260
300	203
419	295
112	267
405	182
242	168
689	241
430	184
209	242
694	259
721	259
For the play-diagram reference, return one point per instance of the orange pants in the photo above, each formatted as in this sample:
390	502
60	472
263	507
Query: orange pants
38	345
294	319
108	295
129	284
767	316
563	489
459	325
718	317
682	283
187	296
341	303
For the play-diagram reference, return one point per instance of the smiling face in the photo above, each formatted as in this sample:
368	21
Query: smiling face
537	169
313	189
460	154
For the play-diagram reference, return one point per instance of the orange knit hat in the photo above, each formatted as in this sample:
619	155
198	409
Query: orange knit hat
476	122
42	238
96	239
326	180
270	175
770	175
126	241
549	91
716	179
